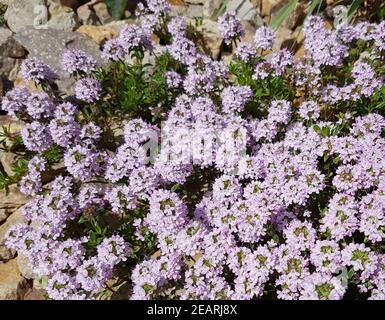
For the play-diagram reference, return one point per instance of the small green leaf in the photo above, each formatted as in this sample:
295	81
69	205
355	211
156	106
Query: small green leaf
353	9
116	8
282	14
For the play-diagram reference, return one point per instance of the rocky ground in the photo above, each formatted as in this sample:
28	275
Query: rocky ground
45	28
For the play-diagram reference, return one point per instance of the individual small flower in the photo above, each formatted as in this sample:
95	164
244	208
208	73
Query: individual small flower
245	51
15	100
177	26
230	27
318	286
113	50
40	106
309	110
91	195
64	130
76	61
65	110
183	50
37	71
64	287
326	256
83	162
264	38
300	235
133	37
234	98
36	137
88	90
113	250
121	198
91	132
173	79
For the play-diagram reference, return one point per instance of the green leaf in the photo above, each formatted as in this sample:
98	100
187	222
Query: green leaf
313	5
282	14
116	8
353	9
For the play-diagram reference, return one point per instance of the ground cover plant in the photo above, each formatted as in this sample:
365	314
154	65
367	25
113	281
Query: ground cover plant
186	178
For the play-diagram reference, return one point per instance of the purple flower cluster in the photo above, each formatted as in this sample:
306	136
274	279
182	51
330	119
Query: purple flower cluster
230	27
231	194
75	61
37	71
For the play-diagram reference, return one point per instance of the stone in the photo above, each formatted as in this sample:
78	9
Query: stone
188	11
5	34
11	202
266	7
211	9
35	294
7	159
48	45
70	3
283	38
87	15
24	267
119	24
250	27
21	14
244	9
98	33
212	37
177	2
62	17
12	285
14	127
10	54
102	13
296	17
15	218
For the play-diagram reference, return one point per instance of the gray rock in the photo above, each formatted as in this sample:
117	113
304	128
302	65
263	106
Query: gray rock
23	13
24	267
190	11
10	53
212	37
41	14
49	45
244	9
61	17
211	9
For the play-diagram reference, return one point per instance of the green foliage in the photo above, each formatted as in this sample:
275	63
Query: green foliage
132	90
53	154
353	9
19	168
282	14
116	8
